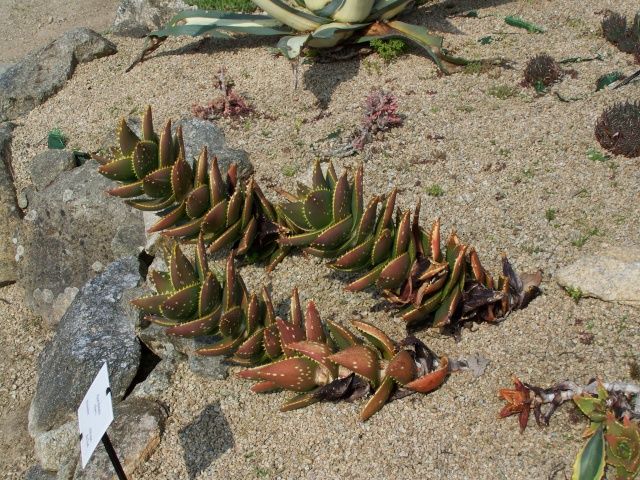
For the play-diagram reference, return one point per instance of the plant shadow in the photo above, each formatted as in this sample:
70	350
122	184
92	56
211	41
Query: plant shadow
201	450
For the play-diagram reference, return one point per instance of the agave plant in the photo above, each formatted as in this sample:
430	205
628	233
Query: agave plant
311	23
613	434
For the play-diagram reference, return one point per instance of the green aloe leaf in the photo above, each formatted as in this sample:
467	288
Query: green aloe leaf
590	462
317	208
182	304
518	22
158	184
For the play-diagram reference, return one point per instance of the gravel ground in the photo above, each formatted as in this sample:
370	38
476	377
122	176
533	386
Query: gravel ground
516	178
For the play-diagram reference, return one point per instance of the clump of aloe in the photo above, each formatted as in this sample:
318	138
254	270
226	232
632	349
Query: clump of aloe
226	104
618	129
541	72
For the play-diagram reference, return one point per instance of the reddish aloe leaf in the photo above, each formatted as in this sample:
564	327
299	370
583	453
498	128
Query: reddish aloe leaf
248	236
297	374
452	243
341	199
366	280
301	240
225	346
456	260
187	229
209	294
251	347
403	235
430	287
232	178
295	309
253	315
382	247
216	183
377	337
264	386
181	270
201	264
334	235
147	125
182	304
166	146
170	219
228	237
341	336
429	305
272	341
178	143
129	190
356	258
270	314
145	158
357	202
198	201
387	212
313	324
317	180
158	184
120	170
181	178
294	213
201	167
161	281
319	353
162	321
230	293
301	192
416	230
402	368
432	380
150	304
431	271
265	205
331	177
394	273
289	333
276	257
247	207
476	266
317	209
436	253
446	310
126	138
300	401
100	159
361	360
368	220
198	327
377	401
216	218
234	208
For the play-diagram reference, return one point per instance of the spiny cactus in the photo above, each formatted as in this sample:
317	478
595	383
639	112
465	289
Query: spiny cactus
330	220
541	71
618	129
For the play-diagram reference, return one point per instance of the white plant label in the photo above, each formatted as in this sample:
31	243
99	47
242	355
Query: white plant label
95	414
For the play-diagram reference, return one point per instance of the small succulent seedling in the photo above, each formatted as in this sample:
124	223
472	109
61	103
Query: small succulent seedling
618	129
575	293
227	103
541	72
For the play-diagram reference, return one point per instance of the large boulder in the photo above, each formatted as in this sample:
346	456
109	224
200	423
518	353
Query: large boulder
71	231
8	208
27	84
46	166
612	276
136	18
94	330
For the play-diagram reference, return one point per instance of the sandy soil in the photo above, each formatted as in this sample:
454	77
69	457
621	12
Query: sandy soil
516	177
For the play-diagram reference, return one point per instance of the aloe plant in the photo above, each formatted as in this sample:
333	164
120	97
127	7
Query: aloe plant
328	219
311	23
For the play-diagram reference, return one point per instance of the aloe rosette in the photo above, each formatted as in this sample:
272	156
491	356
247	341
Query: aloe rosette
310	23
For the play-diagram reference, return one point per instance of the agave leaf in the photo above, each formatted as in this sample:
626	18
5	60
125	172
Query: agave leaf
182	304
331	34
384	9
232	22
379	398
590	462
158	184
353	11
297	19
291	46
328	9
126	138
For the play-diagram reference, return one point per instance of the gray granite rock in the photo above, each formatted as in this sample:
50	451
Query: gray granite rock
159	380
613	275
44	72
57	447
46	166
213	368
93	330
78	230
8	208
135	434
36	472
136	18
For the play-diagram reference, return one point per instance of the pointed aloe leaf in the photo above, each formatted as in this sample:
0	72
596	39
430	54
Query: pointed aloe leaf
190	228
377	337
272	344
447	308
147	125
182	304
377	401
361	360
334	235
169	219
313	324
100	159
216	183
590	462
456	268
386	216
382	247
158	184
367	221
231	322
161	281
150	304
129	190
289	333
412	314
166	146
297	374
223	347
181	176
252	347
340	335
432	380
341	199
266	207
276	256
248	236
198	327
395	272
152	205
318	352
317	209
295	309
357	193
366	280
331	177
294	213
198	201
235	207
229	236
216	219
120	170
318	180
247	207
201	168
403	235
300	401
145	158
126	138
253	315
301	240
302	190
402	368
356	258
181	270
210	295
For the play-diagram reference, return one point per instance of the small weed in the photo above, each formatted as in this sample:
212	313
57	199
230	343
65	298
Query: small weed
505	152
527	172
289	171
575	293
250	454
590	325
550	215
434	190
597	156
247	125
503	91
531	250
261	472
389	49
584	237
465	108
242	6
372	67
435	110
265	133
